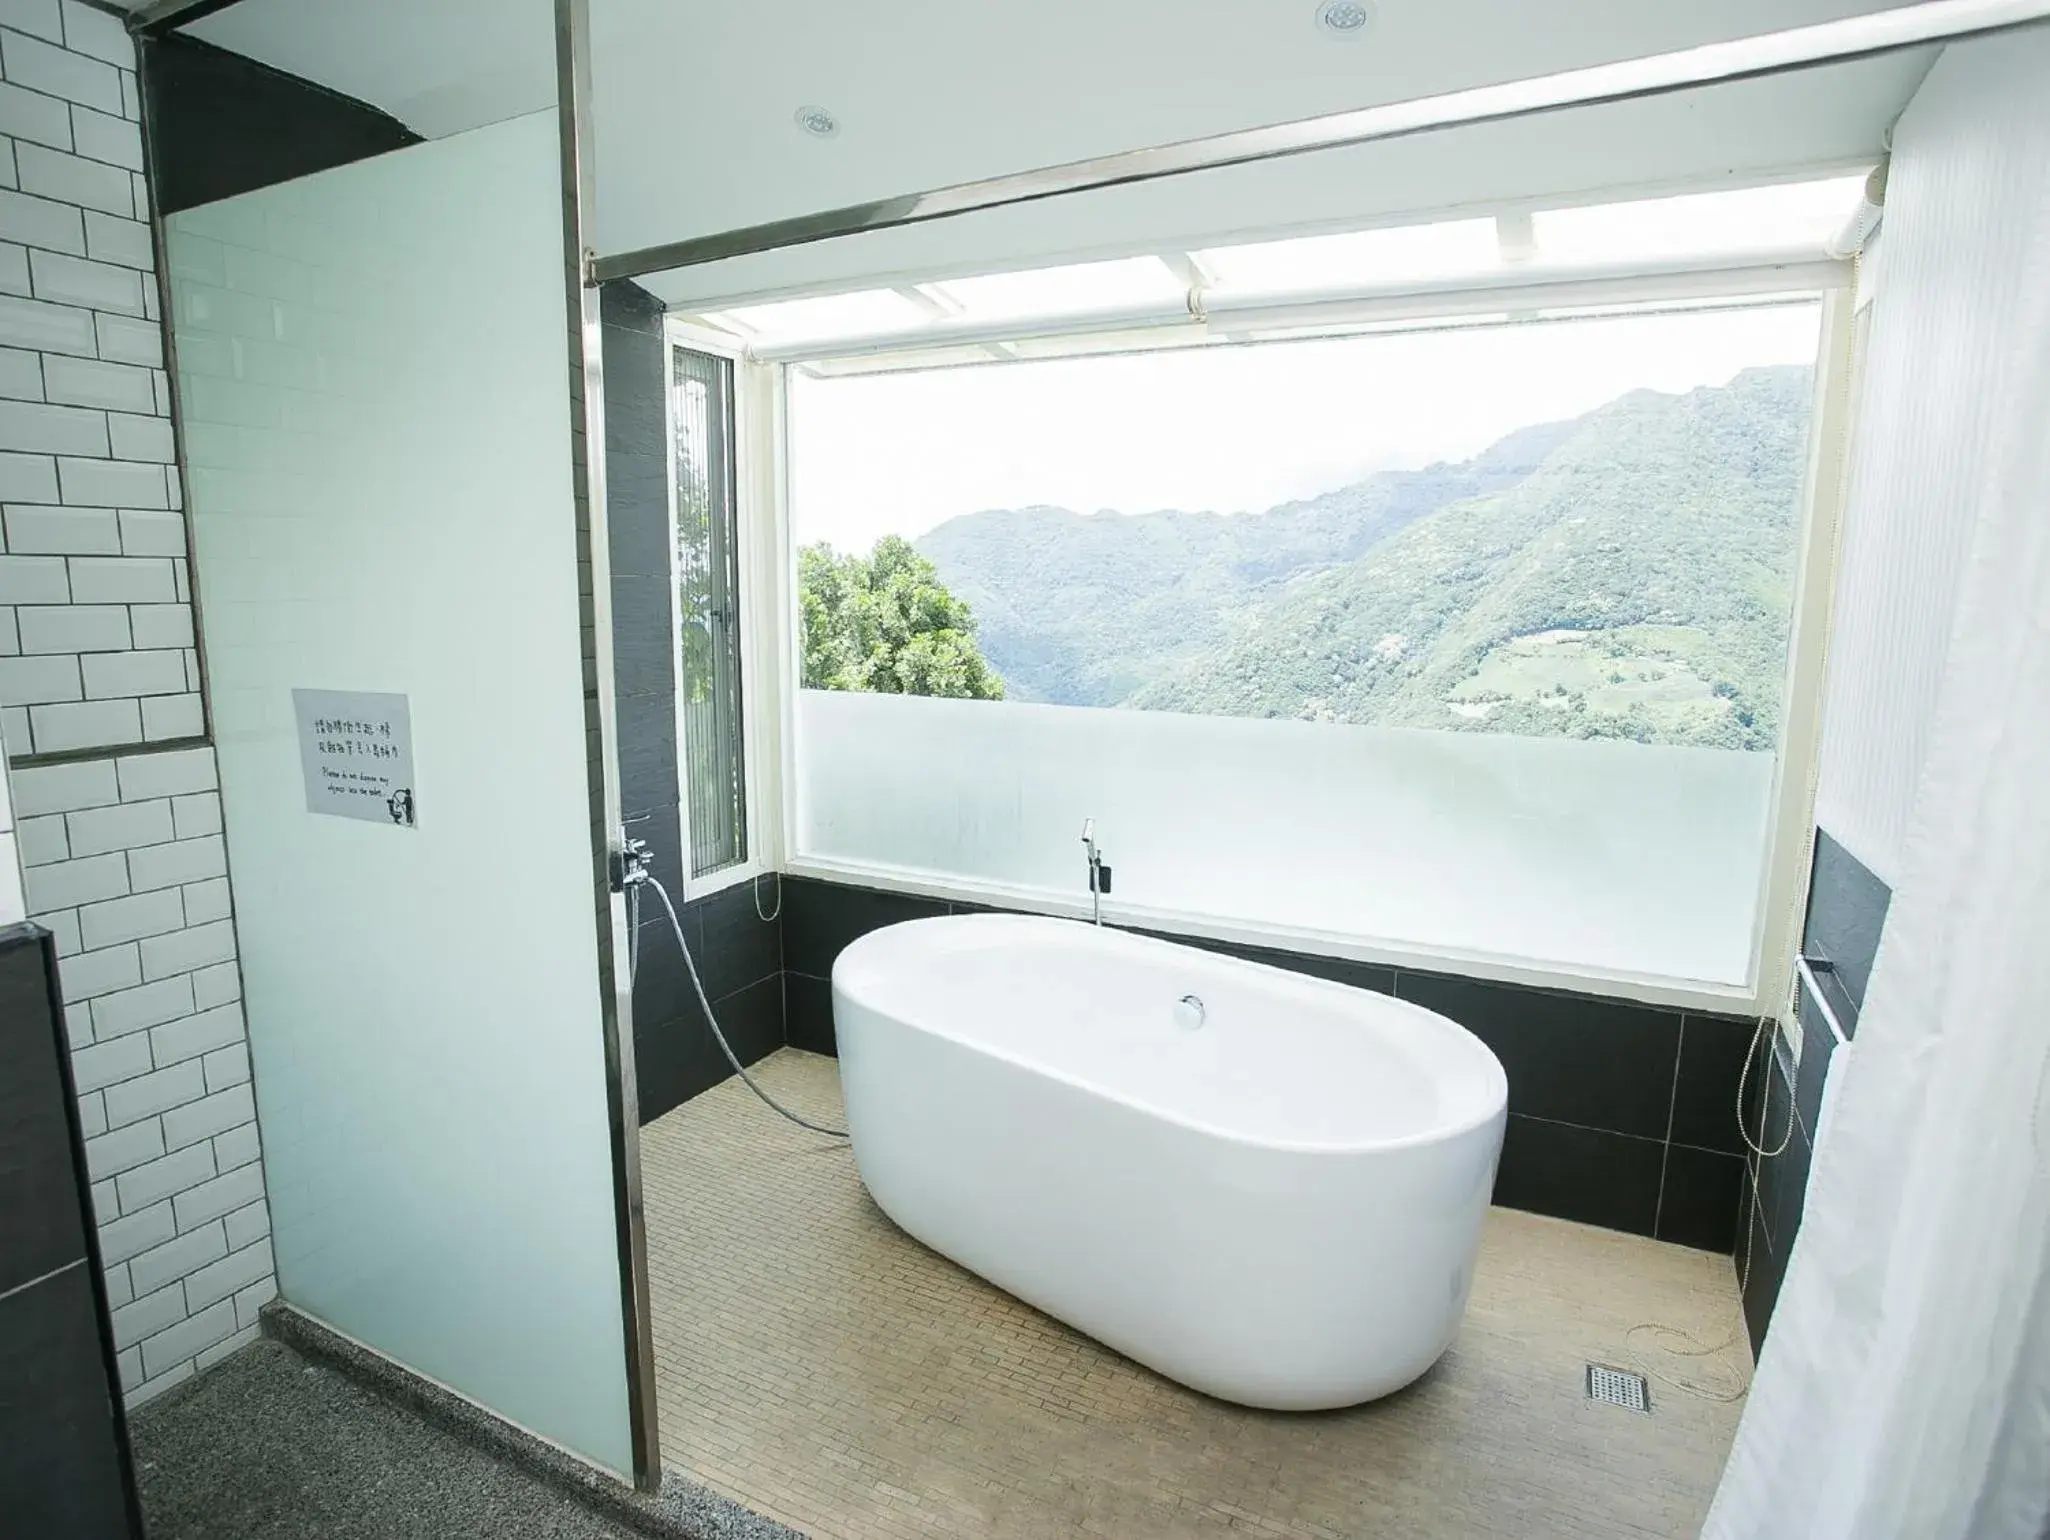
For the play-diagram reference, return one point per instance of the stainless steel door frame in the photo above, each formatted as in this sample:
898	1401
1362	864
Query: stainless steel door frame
587	402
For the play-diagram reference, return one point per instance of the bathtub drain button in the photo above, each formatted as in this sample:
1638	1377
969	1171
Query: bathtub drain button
1189	1012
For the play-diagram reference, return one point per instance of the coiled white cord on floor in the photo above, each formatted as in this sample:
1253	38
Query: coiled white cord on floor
691	966
1731	1386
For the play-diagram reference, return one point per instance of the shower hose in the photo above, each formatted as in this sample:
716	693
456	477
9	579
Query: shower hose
691	966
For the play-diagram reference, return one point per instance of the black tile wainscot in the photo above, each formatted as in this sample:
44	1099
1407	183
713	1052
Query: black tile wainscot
819	918
739	953
64	1464
1620	1115
675	1055
1847	906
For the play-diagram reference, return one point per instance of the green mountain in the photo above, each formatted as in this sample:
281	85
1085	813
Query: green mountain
1085	609
1627	574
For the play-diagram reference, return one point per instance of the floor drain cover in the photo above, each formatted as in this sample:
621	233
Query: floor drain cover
1618	1387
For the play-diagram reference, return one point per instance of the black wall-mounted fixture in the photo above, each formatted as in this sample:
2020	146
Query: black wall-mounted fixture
64	1463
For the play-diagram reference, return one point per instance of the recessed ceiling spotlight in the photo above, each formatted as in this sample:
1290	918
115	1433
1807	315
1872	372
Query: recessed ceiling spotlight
821	124
1345	18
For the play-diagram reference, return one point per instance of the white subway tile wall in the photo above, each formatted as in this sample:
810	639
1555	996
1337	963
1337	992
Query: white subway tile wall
89	527
119	843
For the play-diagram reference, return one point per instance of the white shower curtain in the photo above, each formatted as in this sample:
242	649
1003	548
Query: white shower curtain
1904	1390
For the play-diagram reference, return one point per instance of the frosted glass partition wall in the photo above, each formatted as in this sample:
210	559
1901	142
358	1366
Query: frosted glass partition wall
374	373
1458	645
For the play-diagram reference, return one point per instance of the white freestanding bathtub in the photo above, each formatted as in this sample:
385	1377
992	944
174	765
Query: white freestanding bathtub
1279	1206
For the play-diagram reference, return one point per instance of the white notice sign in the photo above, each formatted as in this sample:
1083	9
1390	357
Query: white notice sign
357	751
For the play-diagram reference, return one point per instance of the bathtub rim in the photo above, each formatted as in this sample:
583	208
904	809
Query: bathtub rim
1495	1110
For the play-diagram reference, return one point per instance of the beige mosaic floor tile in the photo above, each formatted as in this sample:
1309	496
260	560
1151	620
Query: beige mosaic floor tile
822	1367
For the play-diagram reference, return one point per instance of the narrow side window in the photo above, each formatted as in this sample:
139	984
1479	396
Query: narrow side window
708	611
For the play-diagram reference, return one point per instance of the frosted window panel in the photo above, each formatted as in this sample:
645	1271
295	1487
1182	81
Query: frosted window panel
1405	252
1052	291
1593	855
1797	214
374	375
832	315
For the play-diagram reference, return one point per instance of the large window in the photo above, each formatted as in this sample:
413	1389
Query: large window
1472	640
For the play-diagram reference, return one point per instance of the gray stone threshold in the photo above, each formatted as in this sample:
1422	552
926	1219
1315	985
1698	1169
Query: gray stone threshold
682	1510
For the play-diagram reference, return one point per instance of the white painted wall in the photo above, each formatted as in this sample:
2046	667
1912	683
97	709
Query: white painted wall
374	371
1961	248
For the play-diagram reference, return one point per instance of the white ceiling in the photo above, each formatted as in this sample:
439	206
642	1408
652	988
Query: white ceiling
695	103
1731	135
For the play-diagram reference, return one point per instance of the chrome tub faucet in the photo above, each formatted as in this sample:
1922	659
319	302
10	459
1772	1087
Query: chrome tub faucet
1099	871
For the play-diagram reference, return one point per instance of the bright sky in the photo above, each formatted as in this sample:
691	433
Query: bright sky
1231	429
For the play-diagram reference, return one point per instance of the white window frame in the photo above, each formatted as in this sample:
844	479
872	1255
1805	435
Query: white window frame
1784	871
753	478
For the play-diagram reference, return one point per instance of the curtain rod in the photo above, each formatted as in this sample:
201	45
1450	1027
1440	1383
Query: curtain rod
1870	35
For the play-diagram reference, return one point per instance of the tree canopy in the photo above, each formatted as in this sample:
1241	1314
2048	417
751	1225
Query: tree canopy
885	622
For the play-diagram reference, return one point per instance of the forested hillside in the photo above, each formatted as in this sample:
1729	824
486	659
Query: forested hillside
1624	574
1084	609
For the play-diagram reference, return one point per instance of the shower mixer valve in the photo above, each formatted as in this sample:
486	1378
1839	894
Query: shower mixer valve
629	862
